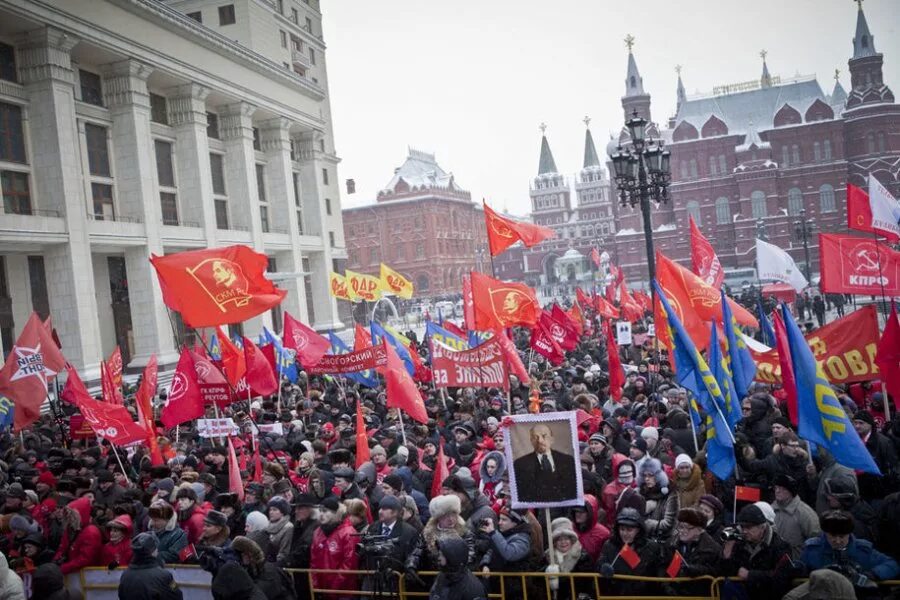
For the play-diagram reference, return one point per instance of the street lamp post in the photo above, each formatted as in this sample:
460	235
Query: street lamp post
803	229
642	174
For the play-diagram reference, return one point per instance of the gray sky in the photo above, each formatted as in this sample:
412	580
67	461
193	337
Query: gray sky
472	80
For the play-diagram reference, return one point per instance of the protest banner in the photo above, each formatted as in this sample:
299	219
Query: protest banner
483	366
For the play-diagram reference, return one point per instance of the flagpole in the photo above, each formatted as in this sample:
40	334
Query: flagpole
884	391
119	459
693	428
402	428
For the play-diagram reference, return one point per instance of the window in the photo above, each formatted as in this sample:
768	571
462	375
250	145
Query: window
101	194
795	201
826	199
312	56
331	238
298	202
826	147
328	206
694	168
16	193
723	164
256	140
221	214
261	182
881	146
226	15
12	135
817	152
159	112
684	169
37	278
91	88
197	16
325	176
283	38
264	218
165	174
97	149
758	204
218	174
712	165
212	125
693	210
280	6
169	204
785	156
8	63
309	24
723	211
870	143
295	16
307	285
795	154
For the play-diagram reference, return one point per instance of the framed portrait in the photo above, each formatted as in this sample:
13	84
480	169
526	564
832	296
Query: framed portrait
542	454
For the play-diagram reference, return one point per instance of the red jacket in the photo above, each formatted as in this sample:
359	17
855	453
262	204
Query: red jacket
335	551
593	537
121	552
193	525
86	549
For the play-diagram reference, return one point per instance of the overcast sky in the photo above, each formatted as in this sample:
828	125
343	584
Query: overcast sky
472	80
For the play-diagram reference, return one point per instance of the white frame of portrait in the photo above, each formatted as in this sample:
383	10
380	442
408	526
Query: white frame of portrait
531	420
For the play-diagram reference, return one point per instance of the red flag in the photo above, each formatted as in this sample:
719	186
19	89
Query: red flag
747	494
788	383
402	392
500	304
468	303
503	232
233	360
595	257
630	310
565	337
362	338
362	439
604	308
576	318
216	286
144	401
563	318
512	357
259	376
675	566
704	261
310	346
110	421
441	471
257	461
33	360
859	210
544	344
583	298
235	483
115	369
632	558
888	356
184	401
643	298
74	392
454	329
108	386
616	373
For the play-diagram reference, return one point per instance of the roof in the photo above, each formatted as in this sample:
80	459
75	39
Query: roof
863	41
590	151
758	106
547	164
634	83
420	170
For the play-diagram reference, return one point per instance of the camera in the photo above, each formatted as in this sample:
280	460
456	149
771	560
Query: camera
484	522
211	558
732	534
372	545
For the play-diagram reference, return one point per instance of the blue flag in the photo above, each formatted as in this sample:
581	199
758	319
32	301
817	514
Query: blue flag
436	332
765	325
366	378
285	358
476	338
6	413
740	361
379	332
215	349
821	418
694	374
718	366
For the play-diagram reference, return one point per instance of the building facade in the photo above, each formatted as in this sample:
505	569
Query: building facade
749	160
137	127
422	224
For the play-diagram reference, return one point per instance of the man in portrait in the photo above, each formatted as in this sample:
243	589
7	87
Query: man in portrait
545	475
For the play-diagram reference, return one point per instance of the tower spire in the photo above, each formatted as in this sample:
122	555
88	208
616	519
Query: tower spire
681	95
634	84
766	79
546	164
863	41
590	151
838	94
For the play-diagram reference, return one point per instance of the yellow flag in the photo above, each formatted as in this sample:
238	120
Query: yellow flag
398	336
393	282
337	283
366	287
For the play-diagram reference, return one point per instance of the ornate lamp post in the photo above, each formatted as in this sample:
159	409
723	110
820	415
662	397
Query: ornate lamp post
642	174
803	229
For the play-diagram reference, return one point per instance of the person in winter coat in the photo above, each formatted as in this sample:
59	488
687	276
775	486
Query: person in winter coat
838	548
272	580
306	521
402	535
825	469
334	547
661	508
118	549
688	481
280	531
455	581
475	505
601	454
82	542
510	548
190	515
714	510
445	522
762	560
406	476
754	423
172	540
233	582
841	493
788	458
643	557
492	471
255	526
795	521
591	533
622	491
612	429
567	556
11	587
693	553
145	578
823	584
48	583
875	487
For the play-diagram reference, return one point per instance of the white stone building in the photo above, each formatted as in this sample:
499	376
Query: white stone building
138	127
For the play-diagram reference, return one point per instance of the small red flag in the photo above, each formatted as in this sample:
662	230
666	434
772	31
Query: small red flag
216	286
500	304
746	494
583	298
361	337
704	261
595	257
468	302
454	328
144	401
402	392
235	483
859	209
543	343
675	566
441	471
259	376
504	232
516	367
184	401
788	382
562	318
74	392
632	558
233	360
108	386
310	346
115	369
110	421
576	318
362	439
616	373
887	356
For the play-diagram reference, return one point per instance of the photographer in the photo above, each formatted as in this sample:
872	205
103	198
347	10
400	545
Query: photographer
837	548
510	547
455	581
755	554
395	541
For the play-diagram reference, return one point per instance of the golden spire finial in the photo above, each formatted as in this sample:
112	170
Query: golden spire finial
629	41
837	74
763	53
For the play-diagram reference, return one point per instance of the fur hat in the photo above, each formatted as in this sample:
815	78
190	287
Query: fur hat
20	522
280	487
280	504
562	526
444	505
257	521
787	482
216	519
161	510
836	522
692	516
652	466
186	492
395	481
275	470
866	417
245	546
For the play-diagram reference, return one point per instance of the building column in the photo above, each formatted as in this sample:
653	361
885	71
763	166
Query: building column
138	194
46	69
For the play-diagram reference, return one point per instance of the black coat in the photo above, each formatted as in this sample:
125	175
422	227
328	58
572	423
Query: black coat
273	581
698	559
232	582
48	583
771	569
404	537
146	579
650	565
301	543
538	485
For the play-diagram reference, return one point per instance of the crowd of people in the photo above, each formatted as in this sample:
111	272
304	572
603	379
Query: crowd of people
650	507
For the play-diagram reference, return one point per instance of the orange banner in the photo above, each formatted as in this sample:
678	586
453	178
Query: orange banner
845	348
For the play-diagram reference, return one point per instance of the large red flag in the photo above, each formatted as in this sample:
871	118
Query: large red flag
363	454
500	304
115	369
628	307
108	386
503	232
441	471
859	210
516	367
604	308
110	421
888	356
561	332
235	483
259	376
361	337
543	343
33	360
74	392
233	359
562	317
468	303
616	373
310	346
216	286
704	261
144	401
788	382
184	401
402	392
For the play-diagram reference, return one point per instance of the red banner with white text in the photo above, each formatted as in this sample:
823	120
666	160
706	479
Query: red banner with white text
857	265
351	362
483	366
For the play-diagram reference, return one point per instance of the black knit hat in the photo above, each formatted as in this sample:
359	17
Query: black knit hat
215	518
837	522
751	515
864	416
787	482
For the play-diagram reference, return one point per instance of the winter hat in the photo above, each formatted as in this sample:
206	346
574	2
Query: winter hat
32	495
629	516
345	473
280	504
641	444
47	478
865	416
767	511
105	476
122	522
15	490
625	472
281	487
389	503
836	522
186	492
513	515
692	516
166	485
751	515
331	503
783	421
144	545
562	526
26	525
650	433
257	521
306	500
598	437
161	510
825	584
787	482
395	481
683	459
492	422
444	505
215	518
378	450
199	490
652	466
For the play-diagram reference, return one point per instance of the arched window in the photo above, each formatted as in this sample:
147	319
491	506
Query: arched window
422	282
684	169
795	201
881	146
785	156
693	210
694	168
795	154
758	204
817	151
870	143
723	211
712	165
723	165
826	199
826	146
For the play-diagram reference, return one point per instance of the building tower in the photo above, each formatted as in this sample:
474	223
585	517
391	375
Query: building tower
867	83
550	206
595	215
838	98
635	100
765	80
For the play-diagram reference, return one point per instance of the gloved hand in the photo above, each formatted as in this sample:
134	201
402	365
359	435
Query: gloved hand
113	565
413	575
606	570
554	581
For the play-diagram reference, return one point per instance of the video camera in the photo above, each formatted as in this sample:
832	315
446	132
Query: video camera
374	545
732	534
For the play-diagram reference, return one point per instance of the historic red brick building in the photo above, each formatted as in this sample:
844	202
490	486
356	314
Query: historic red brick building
423	224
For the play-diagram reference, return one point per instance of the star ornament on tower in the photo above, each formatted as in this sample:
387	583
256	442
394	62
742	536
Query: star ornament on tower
30	363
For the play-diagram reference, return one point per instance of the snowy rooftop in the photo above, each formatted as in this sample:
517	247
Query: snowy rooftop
421	170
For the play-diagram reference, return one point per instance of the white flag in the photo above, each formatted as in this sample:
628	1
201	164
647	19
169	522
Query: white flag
776	264
885	209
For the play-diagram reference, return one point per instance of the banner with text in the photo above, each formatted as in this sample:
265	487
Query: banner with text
857	265
351	362
483	366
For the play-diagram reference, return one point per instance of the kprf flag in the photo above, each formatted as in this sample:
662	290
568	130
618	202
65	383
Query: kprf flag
543	343
704	261
504	232
859	211
337	284
184	401
885	210
500	304
110	421
402	392
217	286
394	283
776	264
888	356
362	286
259	378
33	360
309	345
468	302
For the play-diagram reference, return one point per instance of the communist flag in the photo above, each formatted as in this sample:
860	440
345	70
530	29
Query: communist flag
500	304
184	401
233	360
365	287
576	318
582	298
395	283
337	284
361	337
402	392
604	308
216	286
144	402
309	345
503	232
363	454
